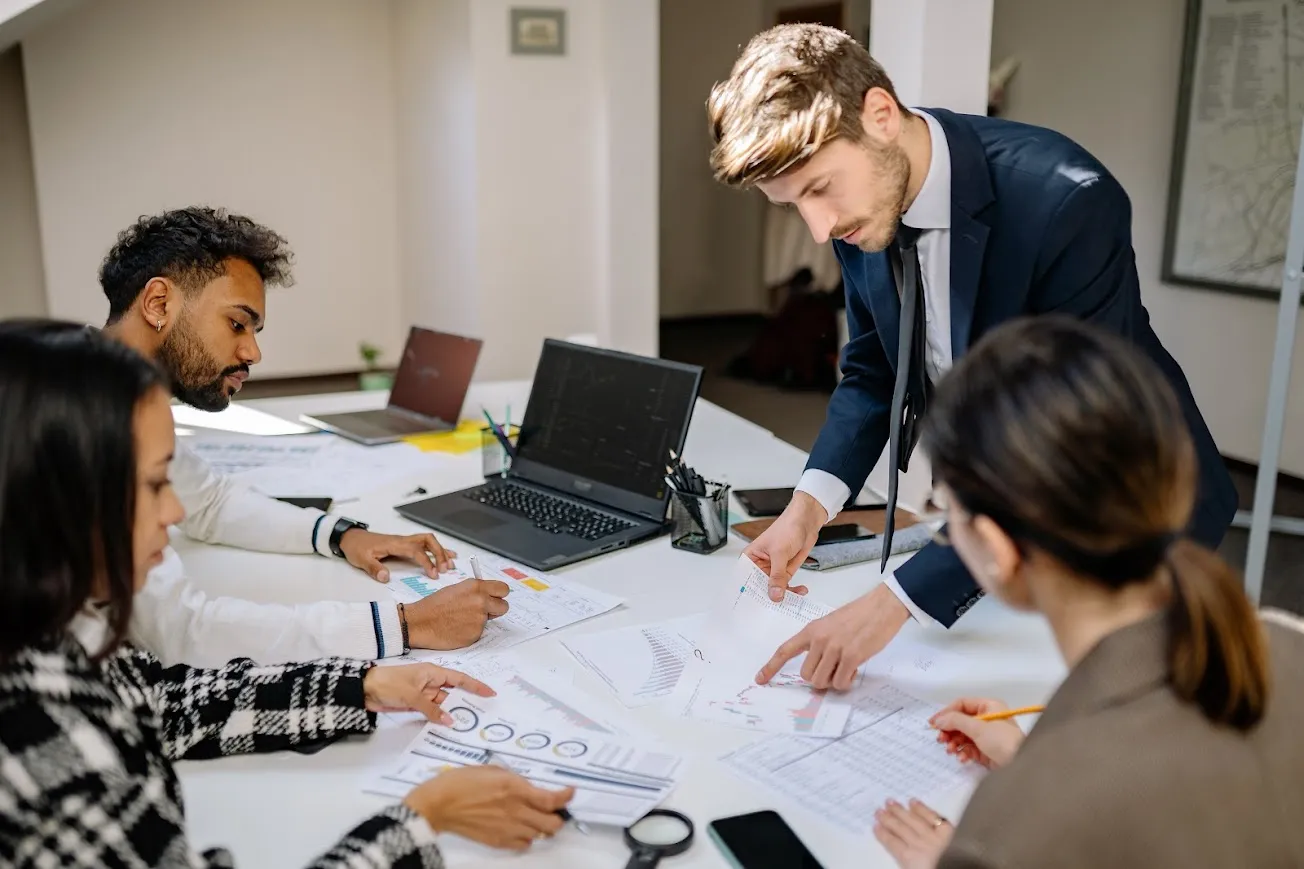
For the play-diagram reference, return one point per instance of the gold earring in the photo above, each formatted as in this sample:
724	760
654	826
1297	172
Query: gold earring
158	327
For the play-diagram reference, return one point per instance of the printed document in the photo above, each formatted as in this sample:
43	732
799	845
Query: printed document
641	663
545	738
742	630
537	603
888	751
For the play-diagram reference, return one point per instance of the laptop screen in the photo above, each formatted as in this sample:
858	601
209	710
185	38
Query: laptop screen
609	418
435	373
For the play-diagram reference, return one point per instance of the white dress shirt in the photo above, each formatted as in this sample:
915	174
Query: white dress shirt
179	623
930	213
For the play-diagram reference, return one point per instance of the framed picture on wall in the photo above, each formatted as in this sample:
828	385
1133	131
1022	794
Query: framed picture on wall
1236	146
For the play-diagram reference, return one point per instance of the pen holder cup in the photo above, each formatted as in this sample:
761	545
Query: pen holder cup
496	460
700	523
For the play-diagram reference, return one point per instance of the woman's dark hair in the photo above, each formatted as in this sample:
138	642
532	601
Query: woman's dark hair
68	396
1073	443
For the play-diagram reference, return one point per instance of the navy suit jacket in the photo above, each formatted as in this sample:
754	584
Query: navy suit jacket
1038	225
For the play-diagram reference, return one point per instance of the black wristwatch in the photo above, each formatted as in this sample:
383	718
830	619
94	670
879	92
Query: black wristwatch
338	531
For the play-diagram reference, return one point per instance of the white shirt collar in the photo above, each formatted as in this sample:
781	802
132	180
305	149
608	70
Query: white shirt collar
932	207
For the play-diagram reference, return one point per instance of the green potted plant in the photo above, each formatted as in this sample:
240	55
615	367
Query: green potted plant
372	377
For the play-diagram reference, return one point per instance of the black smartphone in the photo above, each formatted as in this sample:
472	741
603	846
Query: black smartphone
843	533
322	504
771	502
760	840
764	502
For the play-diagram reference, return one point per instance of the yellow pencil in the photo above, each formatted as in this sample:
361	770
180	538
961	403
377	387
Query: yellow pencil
1010	713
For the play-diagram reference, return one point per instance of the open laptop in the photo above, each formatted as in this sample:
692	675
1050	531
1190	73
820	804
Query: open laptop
428	392
590	465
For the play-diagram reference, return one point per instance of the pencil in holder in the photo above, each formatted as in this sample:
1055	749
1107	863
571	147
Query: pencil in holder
496	460
700	523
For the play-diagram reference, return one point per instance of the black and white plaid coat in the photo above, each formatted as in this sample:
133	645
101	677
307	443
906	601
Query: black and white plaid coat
86	755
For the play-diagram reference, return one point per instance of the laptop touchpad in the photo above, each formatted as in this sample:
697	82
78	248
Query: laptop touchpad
474	520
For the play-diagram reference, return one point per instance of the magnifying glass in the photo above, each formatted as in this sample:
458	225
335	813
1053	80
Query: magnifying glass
659	833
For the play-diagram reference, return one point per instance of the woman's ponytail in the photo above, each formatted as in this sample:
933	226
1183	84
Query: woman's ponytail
1217	650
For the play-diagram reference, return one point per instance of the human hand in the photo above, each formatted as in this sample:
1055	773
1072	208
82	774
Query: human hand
781	548
454	617
365	549
491	805
837	644
989	743
416	688
915	836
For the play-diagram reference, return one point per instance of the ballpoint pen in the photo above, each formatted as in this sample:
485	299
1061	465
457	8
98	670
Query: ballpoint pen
492	759
475	568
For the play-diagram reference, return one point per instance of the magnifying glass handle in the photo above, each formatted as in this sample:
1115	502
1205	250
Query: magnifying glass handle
643	859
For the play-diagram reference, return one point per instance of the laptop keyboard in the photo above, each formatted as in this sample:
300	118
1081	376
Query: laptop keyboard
548	513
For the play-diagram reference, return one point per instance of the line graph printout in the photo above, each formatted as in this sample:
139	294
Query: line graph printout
640	663
538	602
887	752
742	630
617	780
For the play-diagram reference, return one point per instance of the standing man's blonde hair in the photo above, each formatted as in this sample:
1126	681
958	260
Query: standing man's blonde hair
794	88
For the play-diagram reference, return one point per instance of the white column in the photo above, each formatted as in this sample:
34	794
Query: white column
937	52
628	231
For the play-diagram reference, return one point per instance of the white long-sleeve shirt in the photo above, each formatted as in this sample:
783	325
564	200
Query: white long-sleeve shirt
180	623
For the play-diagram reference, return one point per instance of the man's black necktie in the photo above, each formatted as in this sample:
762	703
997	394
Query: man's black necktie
910	395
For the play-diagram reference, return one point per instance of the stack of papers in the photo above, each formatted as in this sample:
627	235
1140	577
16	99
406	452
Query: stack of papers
746	628
319	465
541	732
889	751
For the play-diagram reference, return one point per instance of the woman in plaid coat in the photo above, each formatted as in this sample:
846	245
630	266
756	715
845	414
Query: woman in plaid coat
89	727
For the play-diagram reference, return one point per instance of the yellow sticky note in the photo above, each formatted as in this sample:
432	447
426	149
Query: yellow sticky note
463	439
535	584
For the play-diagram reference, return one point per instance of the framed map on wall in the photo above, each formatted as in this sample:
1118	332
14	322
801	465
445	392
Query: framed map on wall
1241	102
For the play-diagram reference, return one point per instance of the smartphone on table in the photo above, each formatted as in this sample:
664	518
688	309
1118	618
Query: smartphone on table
843	533
771	502
760	840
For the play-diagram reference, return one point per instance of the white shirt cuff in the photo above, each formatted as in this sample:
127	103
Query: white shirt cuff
321	535
390	640
831	492
919	615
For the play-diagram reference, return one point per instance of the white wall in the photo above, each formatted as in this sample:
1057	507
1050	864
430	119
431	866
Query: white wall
528	187
1106	73
22	281
538	175
283	110
421	172
435	111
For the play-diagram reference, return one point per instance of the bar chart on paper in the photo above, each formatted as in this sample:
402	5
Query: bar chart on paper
538	603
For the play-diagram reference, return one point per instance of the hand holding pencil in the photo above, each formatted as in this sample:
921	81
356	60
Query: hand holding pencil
979	730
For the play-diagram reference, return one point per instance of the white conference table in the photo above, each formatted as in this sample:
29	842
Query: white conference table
282	810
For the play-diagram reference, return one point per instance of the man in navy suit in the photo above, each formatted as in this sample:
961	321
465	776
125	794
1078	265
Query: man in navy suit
945	225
